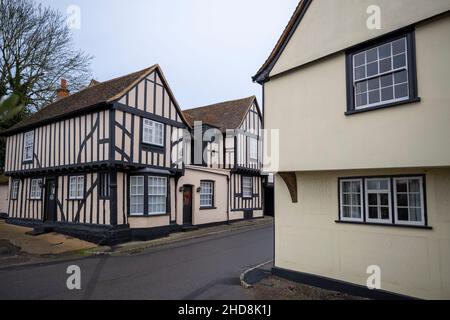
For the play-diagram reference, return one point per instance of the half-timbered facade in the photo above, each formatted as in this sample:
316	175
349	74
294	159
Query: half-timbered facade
102	163
230	145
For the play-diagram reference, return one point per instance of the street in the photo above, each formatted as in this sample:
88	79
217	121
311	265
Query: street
205	268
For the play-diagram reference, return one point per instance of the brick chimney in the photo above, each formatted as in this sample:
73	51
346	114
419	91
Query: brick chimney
62	91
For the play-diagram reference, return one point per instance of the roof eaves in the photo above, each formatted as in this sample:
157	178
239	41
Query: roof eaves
262	74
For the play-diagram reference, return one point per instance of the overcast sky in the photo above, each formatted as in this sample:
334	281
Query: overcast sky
208	49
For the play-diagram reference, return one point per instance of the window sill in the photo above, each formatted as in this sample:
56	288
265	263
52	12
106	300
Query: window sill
27	161
153	147
208	208
385	225
148	215
389	105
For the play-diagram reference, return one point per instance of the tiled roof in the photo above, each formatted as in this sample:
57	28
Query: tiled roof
223	115
96	94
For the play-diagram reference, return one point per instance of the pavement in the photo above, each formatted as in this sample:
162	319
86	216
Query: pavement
262	285
206	267
17	247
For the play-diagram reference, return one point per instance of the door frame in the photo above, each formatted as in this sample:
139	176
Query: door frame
53	216
191	188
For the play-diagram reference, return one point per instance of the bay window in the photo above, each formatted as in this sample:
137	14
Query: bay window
148	195
157	194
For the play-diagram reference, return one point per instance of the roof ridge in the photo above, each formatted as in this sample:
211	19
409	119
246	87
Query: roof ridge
218	103
99	83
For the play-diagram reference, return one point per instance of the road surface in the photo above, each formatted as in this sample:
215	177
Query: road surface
206	268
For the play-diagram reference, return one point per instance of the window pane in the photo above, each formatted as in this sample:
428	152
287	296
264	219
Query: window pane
386	80
402	185
374	84
399	46
414	200
385	65
360	72
384	213
360	59
346	186
384	51
414	185
372	55
399	61
346	199
401	91
387	93
415	214
402	200
356	199
401	77
374	96
403	214
361	87
384	199
361	99
372	199
356	212
356	186
373	212
346	213
372	69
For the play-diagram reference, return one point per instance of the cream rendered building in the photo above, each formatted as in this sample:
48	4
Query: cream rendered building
364	168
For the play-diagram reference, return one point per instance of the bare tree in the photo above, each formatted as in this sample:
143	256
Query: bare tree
36	51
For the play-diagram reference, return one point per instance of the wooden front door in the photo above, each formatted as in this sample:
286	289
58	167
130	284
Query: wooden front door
50	200
187	205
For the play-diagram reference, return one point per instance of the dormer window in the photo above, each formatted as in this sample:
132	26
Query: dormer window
153	133
382	74
28	146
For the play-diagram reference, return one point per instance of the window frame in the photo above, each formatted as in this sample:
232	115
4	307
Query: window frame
251	186
25	146
366	198
393	222
77	195
153	142
212	194
146	213
424	221
136	214
156	195
104	179
341	202
253	147
411	68
32	194
15	192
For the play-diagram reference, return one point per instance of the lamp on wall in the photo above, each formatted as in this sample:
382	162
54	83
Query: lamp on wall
199	189
181	189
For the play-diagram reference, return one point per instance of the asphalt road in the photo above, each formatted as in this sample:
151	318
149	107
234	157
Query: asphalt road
206	268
